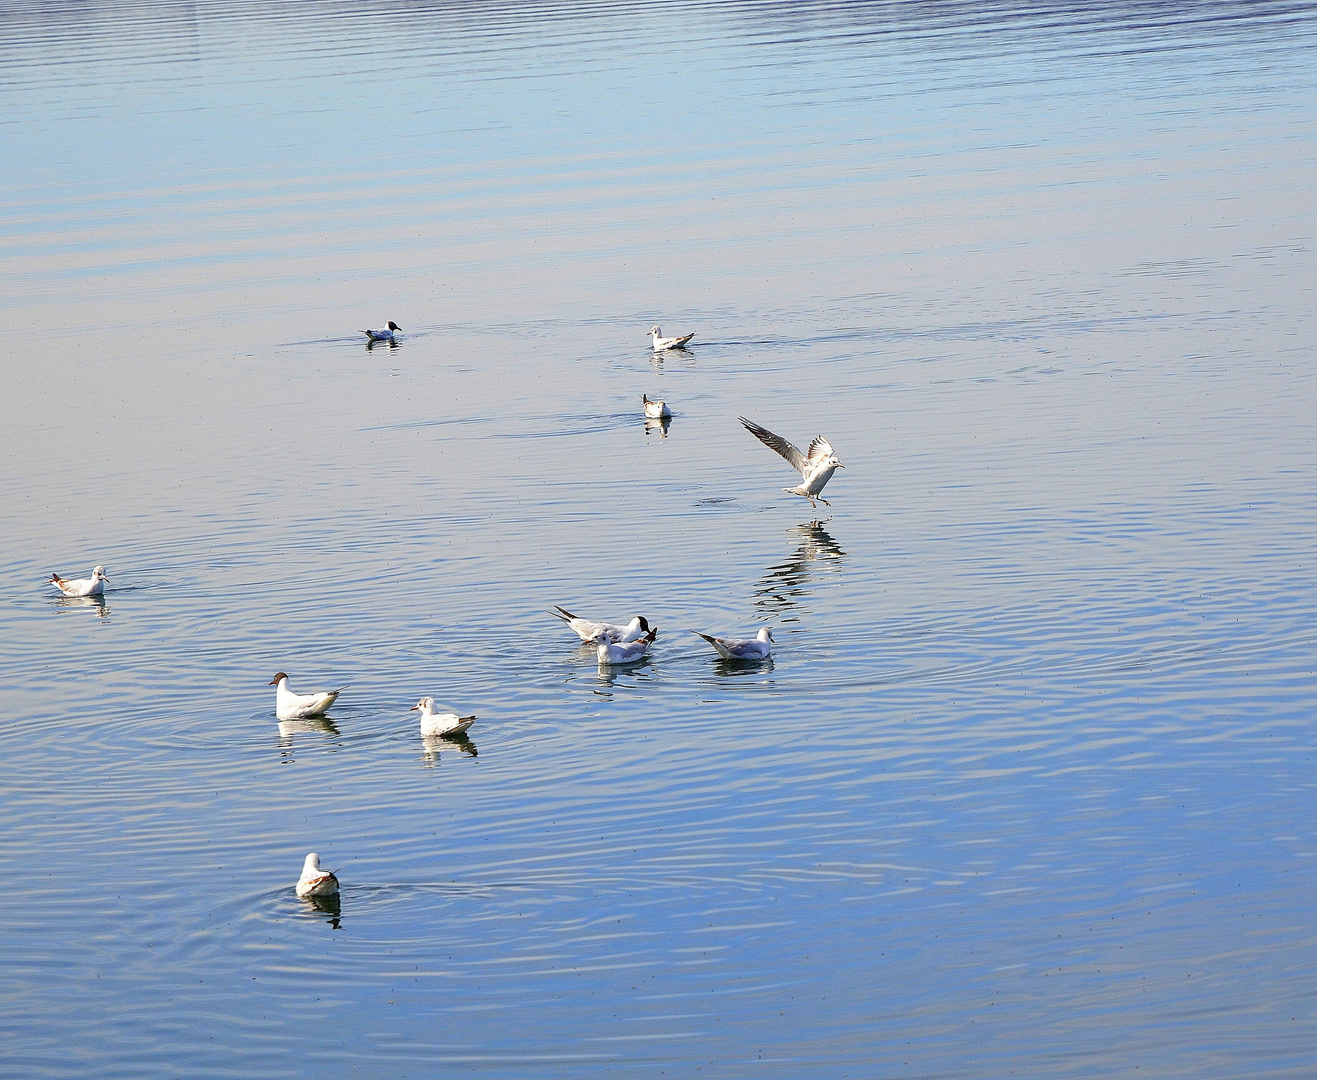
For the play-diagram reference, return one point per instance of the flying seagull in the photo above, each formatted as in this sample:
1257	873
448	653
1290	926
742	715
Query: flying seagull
816	467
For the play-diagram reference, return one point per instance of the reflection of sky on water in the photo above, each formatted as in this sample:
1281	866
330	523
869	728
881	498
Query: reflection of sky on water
1041	274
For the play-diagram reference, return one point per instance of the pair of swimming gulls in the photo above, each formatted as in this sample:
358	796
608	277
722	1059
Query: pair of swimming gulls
628	644
289	705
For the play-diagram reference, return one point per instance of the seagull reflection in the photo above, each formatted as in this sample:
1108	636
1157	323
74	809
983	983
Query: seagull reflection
723	667
94	603
679	355
391	344
432	744
661	426
325	905
312	725
784	586
610	673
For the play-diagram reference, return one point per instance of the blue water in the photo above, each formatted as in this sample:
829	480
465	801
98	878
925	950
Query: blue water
1027	785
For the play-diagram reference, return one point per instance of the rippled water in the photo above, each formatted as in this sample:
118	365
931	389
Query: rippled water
1027	786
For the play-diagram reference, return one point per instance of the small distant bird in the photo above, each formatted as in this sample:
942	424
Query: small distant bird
655	410
626	652
314	881
816	467
433	723
661	342
755	648
291	706
92	586
384	335
592	632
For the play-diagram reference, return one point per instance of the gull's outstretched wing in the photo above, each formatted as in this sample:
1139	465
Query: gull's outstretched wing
779	444
819	449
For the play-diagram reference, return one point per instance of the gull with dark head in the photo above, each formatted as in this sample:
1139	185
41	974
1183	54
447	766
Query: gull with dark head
440	724
755	648
655	410
592	632
661	342
625	652
291	706
816	467
314	881
384	334
92	586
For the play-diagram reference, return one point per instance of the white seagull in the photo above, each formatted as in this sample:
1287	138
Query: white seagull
816	467
655	410
90	586
314	881
591	632
626	652
446	723
661	342
755	648
291	706
385	334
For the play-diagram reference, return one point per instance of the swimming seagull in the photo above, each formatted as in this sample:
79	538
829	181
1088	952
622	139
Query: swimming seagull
92	586
816	467
755	648
661	342
314	881
591	632
433	723
383	335
655	410
291	706
626	652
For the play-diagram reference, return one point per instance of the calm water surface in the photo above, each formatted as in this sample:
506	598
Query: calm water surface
1028	785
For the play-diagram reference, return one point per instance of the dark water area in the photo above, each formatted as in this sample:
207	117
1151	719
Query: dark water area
1027	785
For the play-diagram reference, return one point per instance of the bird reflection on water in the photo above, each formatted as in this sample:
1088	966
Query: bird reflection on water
95	603
723	667
785	585
433	744
314	725
661	426
330	906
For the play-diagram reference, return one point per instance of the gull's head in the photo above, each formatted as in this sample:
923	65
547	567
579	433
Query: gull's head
654	331
644	624
312	864
98	574
426	705
393	325
765	634
280	677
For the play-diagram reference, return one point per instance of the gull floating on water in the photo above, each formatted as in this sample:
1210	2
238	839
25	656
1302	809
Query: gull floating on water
626	652
314	881
385	334
591	632
661	342
92	586
291	706
755	648
433	723
655	410
816	467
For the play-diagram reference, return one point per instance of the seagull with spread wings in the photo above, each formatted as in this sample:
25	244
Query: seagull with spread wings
816	467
